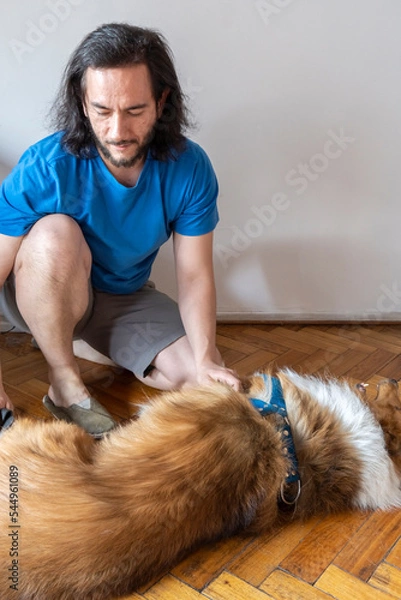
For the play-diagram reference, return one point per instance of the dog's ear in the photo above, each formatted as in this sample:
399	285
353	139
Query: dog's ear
246	384
360	389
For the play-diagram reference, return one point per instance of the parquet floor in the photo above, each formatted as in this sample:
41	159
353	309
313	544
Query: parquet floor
350	556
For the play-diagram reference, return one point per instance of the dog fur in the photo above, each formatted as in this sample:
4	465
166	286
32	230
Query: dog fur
99	519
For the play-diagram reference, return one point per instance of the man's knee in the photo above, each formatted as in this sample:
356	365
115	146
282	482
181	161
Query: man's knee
53	231
54	240
166	381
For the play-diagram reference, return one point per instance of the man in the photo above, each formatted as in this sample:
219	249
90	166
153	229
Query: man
93	203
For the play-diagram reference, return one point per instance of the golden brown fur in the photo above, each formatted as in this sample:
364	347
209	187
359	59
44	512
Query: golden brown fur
98	519
386	406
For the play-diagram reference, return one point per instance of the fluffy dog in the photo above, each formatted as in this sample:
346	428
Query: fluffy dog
94	520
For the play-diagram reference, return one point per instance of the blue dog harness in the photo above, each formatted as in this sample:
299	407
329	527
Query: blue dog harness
274	403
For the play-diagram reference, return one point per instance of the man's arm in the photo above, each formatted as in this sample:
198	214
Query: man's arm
8	250
197	303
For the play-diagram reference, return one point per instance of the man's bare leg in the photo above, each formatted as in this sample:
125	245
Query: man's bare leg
174	367
52	269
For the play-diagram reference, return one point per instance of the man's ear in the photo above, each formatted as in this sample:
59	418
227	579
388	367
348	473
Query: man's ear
162	101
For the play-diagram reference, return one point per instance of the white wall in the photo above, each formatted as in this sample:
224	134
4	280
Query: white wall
299	107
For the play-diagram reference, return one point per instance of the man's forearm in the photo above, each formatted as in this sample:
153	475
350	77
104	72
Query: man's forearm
197	304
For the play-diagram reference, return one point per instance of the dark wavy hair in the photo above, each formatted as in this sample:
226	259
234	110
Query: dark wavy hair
119	45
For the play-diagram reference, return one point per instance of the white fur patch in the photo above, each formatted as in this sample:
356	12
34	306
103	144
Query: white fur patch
380	482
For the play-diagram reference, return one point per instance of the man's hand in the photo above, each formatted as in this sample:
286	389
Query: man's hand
215	372
5	401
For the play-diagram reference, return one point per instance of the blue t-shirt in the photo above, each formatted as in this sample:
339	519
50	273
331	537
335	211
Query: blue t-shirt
124	227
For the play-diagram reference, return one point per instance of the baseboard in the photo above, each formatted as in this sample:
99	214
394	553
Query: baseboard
318	318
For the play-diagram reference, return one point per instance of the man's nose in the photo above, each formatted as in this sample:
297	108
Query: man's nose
117	127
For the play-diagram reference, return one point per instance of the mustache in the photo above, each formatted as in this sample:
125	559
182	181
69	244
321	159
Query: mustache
119	142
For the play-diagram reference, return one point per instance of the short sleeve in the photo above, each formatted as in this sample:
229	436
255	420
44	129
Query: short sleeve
199	214
27	194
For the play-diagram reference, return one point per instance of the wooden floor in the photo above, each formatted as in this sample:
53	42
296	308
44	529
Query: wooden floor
350	556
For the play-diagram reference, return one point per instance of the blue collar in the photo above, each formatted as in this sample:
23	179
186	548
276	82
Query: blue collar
273	403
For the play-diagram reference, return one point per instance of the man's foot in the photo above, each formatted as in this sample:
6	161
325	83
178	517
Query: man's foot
88	414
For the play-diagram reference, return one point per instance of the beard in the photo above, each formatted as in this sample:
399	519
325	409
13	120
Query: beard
139	154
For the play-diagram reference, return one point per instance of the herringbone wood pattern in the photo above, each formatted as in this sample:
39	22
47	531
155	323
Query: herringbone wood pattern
347	556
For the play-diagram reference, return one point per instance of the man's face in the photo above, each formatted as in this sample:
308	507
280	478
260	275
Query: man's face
122	112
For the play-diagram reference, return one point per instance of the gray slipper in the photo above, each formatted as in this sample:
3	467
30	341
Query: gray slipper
6	419
88	414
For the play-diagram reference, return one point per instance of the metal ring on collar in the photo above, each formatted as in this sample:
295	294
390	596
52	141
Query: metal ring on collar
297	495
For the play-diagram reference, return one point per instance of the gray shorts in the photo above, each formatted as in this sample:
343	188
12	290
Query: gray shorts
131	329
